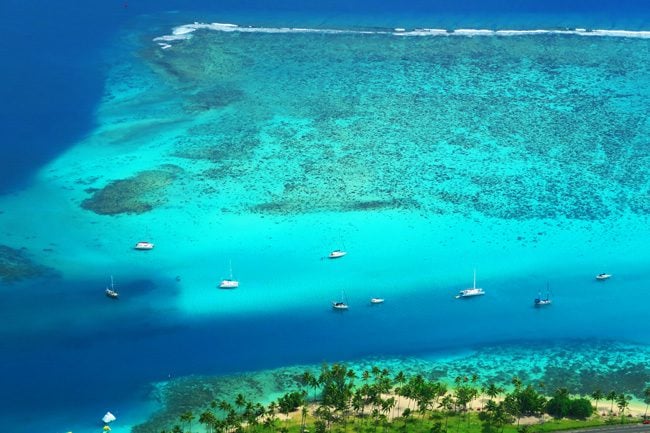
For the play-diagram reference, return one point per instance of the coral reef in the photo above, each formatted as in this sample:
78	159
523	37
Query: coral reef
138	194
312	123
15	265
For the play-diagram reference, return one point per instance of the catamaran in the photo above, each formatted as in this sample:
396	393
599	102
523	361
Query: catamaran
229	283
474	291
111	292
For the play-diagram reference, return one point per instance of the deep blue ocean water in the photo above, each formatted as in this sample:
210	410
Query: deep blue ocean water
51	82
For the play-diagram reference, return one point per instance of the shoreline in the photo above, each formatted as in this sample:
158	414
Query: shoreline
268	386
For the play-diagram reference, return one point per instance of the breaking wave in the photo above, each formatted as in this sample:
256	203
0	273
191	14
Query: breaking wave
185	32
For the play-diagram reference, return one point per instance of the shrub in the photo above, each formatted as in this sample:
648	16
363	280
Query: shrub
561	406
580	408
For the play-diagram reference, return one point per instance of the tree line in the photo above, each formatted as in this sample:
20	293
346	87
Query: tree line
340	398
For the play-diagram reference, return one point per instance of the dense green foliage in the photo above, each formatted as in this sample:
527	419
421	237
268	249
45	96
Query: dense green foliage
562	406
344	401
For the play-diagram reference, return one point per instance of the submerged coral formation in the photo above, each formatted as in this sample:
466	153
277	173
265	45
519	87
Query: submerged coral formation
15	265
138	194
554	128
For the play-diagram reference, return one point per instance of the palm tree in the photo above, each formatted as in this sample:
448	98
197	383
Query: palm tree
306	380
473	391
358	402
224	406
208	419
400	378
489	414
387	405
270	413
446	404
501	417
187	417
240	401
622	402
611	396
441	390
303	417
493	390
351	375
511	405
646	400
250	415
596	396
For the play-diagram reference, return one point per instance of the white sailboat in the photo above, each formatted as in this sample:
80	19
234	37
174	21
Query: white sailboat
474	291
540	302
111	292
340	305
229	283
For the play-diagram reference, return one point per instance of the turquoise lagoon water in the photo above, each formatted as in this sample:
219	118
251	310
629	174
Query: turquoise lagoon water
425	157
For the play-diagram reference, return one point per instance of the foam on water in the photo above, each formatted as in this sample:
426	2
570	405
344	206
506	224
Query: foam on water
185	31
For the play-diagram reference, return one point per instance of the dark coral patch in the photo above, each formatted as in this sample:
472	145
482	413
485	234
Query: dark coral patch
282	207
15	265
213	98
135	195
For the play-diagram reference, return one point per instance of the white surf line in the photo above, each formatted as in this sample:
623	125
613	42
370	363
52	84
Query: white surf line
185	31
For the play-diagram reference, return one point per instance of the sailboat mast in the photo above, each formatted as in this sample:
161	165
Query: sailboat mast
112	285
231	269
474	278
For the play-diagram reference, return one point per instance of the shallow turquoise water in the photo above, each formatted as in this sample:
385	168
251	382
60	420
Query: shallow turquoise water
523	157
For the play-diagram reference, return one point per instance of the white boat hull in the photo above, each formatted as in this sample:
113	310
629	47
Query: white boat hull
470	293
469	296
229	284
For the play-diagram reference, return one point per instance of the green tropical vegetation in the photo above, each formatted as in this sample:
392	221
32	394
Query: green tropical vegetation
339	399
